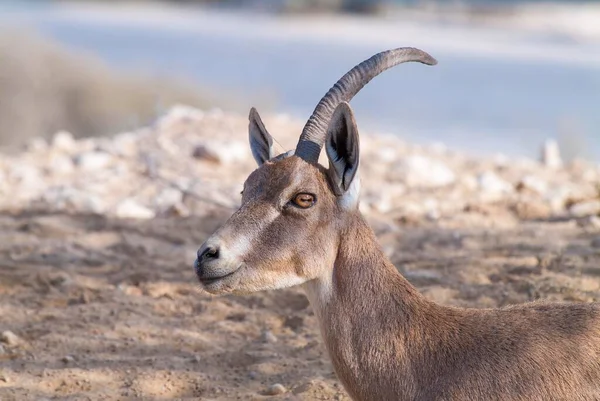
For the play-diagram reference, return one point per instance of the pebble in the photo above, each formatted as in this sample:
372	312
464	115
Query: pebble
60	164
534	183
64	141
381	202
26	175
275	389
11	339
131	209
269	337
587	208
207	153
589	222
93	161
491	183
72	199
221	152
125	144
469	182
386	154
421	171
68	359
557	198
179	113
167	199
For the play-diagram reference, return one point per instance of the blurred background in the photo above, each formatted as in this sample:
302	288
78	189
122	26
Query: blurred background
511	74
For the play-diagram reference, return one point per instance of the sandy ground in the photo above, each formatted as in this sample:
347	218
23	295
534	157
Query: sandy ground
110	310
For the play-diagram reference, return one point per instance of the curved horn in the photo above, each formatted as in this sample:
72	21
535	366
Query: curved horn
313	134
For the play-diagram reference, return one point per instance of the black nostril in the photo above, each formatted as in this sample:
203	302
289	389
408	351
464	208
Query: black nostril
208	253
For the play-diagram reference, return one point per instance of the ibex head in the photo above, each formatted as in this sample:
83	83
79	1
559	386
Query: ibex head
287	229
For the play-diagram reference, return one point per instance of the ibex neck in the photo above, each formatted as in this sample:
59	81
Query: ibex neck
365	309
361	275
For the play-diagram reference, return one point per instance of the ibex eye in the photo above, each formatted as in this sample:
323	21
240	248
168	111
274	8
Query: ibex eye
304	200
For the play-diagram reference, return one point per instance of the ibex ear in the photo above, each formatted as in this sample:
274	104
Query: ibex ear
342	148
261	142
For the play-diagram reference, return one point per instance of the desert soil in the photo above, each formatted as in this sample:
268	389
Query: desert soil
98	299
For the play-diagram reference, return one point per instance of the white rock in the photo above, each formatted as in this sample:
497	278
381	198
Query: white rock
72	199
10	338
29	179
131	209
235	151
383	199
64	141
364	207
587	208
68	359
550	154
382	203
222	152
268	337
413	209
535	184
431	208
469	182
557	198
179	210
60	164
386	155
178	113
24	173
168	198
421	171
275	389
93	161
126	144
491	183
433	215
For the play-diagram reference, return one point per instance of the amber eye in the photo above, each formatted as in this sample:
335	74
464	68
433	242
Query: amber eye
304	200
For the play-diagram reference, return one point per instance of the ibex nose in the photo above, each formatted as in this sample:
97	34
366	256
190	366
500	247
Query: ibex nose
205	254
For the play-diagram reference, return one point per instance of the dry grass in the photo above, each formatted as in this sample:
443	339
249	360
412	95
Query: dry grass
45	88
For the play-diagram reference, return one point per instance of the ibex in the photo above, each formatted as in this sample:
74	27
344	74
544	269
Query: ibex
299	224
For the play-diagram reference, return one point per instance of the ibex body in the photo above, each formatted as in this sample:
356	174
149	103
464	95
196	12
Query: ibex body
299	224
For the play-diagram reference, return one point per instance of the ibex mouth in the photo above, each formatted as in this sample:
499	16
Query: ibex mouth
208	281
212	280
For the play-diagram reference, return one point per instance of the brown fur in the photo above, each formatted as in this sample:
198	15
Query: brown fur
386	341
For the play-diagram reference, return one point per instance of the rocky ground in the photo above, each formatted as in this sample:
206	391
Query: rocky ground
98	299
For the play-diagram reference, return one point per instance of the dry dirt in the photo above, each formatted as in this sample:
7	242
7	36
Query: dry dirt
109	309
